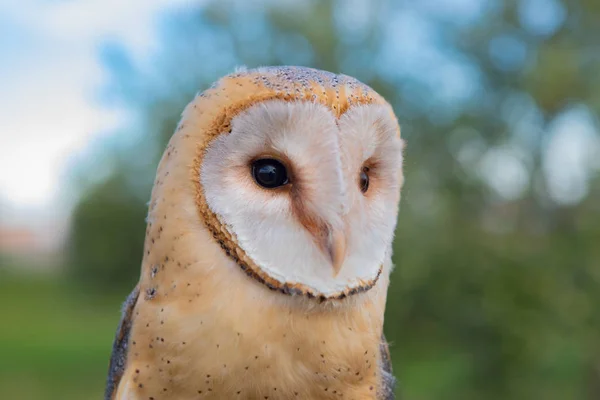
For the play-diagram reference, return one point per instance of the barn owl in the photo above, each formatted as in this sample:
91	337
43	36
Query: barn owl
268	246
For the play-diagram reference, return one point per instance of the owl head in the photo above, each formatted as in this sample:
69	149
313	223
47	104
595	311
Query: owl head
295	173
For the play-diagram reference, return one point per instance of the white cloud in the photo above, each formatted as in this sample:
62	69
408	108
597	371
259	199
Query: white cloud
83	22
49	74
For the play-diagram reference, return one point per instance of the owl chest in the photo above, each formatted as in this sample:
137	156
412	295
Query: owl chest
218	359
286	368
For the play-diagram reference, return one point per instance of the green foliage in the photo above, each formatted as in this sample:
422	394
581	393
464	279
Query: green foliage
107	236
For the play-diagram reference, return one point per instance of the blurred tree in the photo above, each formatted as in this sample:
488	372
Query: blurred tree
497	281
108	236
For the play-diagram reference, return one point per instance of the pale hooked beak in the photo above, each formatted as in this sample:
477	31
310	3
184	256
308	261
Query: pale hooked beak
336	247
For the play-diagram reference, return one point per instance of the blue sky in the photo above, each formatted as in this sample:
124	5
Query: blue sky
50	74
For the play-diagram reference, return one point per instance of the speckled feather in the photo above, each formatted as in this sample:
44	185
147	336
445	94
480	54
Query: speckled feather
201	329
385	391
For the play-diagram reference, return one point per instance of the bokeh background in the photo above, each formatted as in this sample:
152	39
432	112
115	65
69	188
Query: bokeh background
496	289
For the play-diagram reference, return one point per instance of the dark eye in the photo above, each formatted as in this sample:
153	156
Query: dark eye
269	173
364	180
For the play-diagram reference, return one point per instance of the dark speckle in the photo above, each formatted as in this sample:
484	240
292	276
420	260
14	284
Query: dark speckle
150	293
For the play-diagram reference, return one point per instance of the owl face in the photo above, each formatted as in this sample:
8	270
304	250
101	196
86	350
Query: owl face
308	197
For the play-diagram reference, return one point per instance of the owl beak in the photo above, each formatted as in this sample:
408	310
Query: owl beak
337	250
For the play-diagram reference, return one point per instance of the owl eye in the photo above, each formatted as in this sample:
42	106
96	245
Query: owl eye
364	179
269	173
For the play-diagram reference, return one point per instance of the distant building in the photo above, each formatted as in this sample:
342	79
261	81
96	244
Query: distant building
18	241
28	248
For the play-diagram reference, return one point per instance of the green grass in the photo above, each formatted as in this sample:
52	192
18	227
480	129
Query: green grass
54	343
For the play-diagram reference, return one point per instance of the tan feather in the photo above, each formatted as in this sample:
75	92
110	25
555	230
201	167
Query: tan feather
202	328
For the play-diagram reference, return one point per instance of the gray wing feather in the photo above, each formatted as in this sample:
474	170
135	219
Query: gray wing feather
118	357
388	381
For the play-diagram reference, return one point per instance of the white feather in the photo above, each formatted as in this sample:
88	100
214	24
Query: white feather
328	155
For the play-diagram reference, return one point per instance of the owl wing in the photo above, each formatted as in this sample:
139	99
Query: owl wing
388	381
120	345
